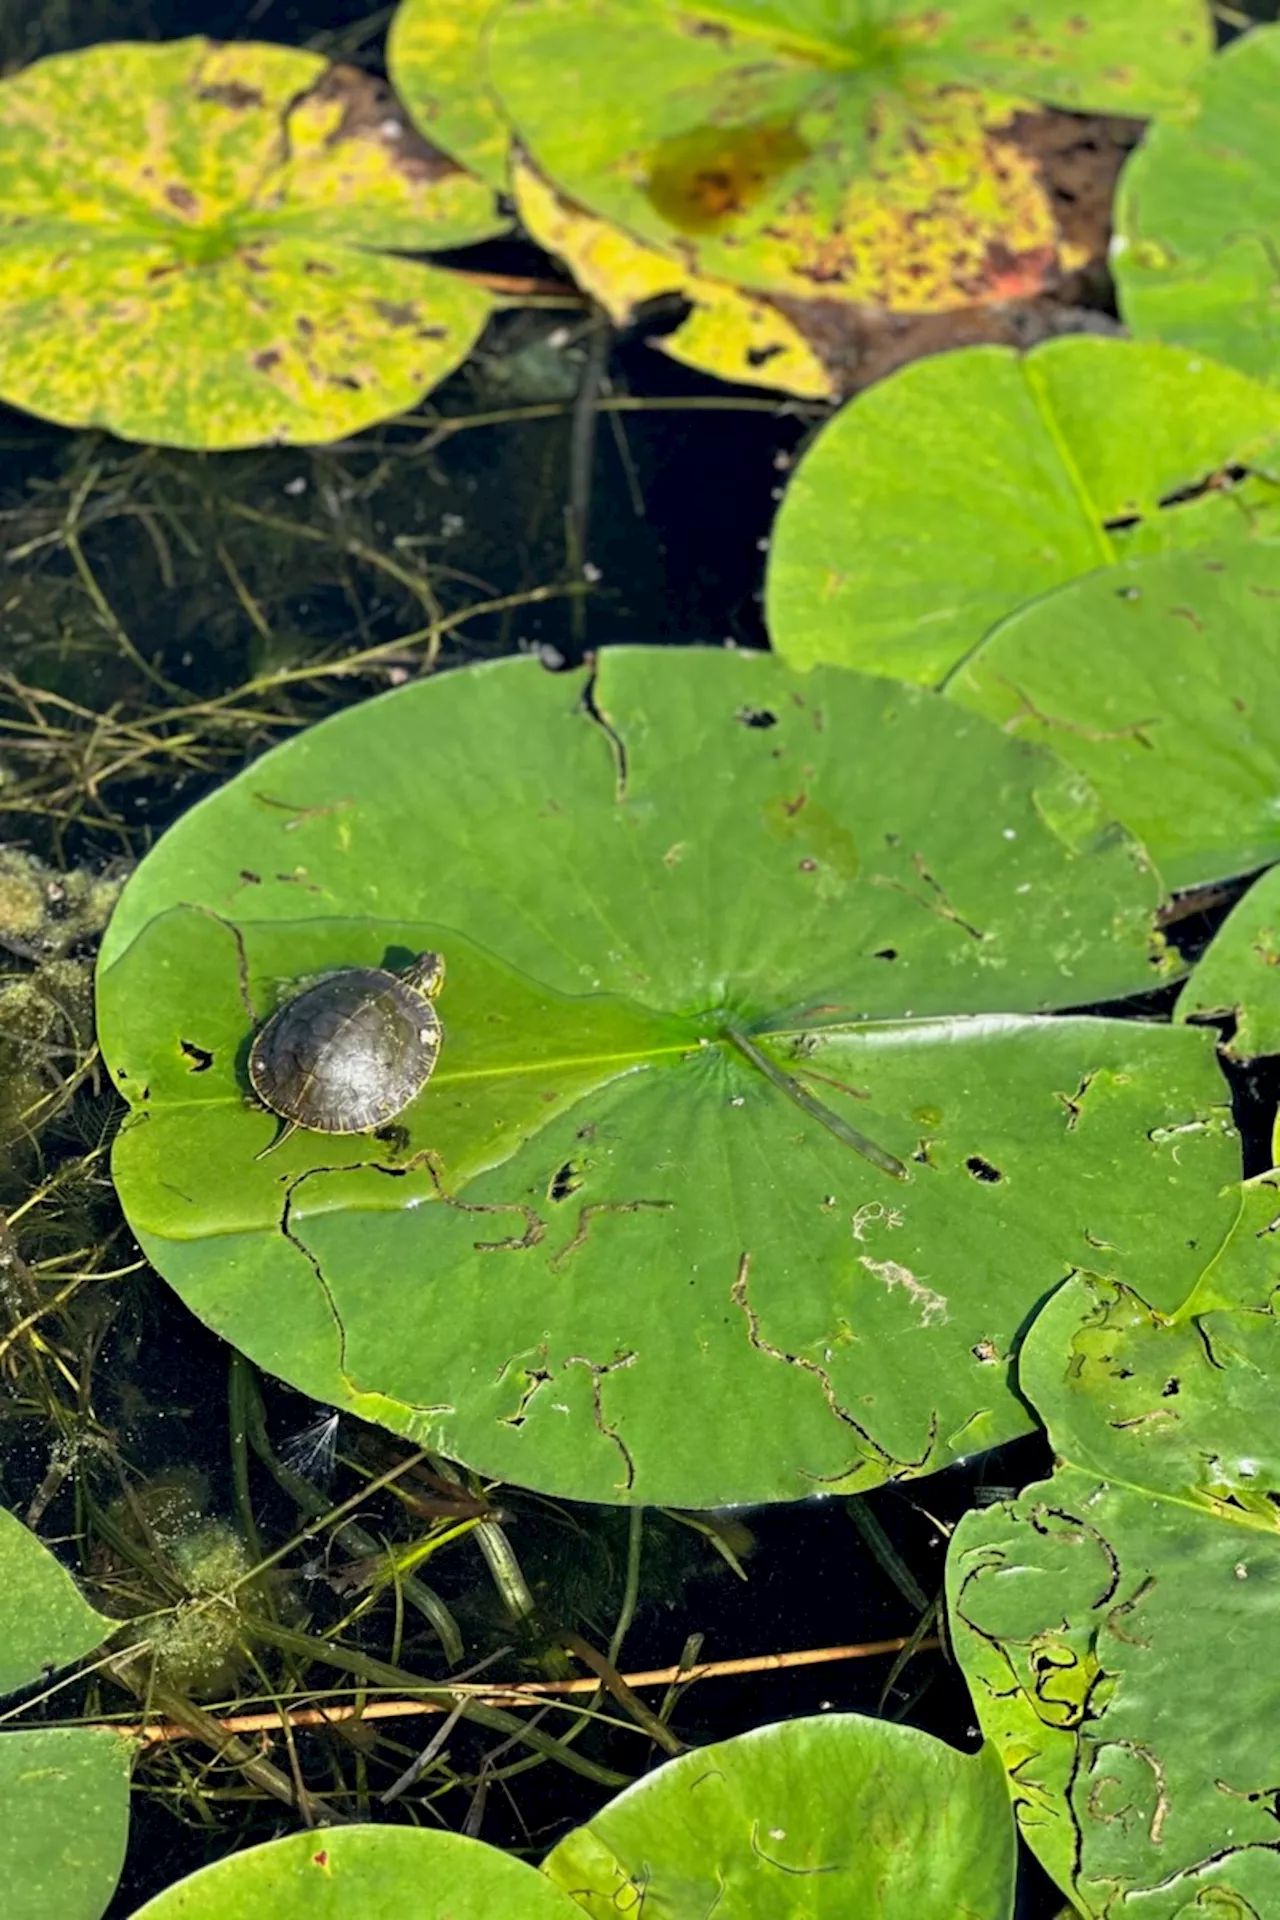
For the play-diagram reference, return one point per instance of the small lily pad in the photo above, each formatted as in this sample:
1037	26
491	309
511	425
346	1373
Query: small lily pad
364	1873
1156	678
202	245
1197	246
871	155
962	487
822	1818
1115	1622
710	937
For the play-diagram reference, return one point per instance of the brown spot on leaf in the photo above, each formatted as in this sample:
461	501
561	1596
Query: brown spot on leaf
180	197
268	358
702	180
397	313
370	111
704	29
233	94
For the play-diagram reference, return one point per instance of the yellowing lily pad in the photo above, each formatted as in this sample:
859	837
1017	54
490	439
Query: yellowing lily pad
869	155
201	245
730	333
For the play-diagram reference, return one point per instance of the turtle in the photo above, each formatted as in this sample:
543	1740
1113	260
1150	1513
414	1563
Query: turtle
349	1053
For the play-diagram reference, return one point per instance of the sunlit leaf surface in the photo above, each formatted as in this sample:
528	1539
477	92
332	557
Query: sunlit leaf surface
943	499
726	955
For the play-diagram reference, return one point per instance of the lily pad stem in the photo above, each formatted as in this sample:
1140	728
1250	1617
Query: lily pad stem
887	1162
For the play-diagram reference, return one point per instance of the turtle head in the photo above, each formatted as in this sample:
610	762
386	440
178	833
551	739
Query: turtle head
426	973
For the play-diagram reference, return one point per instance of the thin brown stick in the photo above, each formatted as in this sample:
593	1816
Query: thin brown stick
525	1690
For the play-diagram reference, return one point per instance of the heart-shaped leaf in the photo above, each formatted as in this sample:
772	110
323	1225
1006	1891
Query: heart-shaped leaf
1197	244
1156	678
866	154
202	245
715	954
364	1873
1115	1622
825	1818
946	497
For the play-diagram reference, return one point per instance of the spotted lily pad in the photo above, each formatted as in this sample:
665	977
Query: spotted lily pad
731	333
746	1156
863	1816
202	245
1115	1622
872	154
1157	679
1197	245
942	500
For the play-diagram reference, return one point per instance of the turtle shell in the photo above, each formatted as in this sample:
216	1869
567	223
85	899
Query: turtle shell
350	1053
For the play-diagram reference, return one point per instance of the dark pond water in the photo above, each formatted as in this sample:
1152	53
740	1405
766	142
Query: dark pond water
220	571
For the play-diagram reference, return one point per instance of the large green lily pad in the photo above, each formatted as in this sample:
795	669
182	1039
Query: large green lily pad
64	1790
1157	679
848	151
1116	1622
363	1873
617	1251
1239	973
816	1818
946	497
201	245
1197	245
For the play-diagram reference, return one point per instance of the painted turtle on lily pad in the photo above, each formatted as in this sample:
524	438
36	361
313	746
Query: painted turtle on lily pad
350	1053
